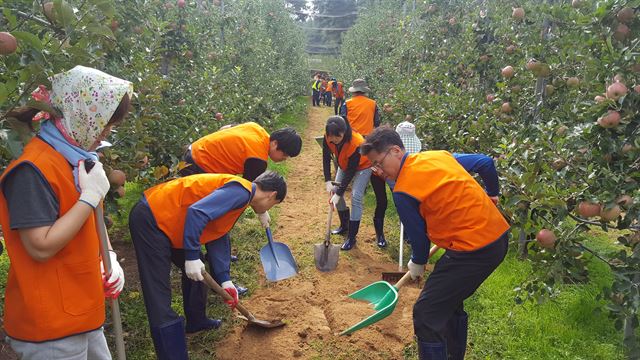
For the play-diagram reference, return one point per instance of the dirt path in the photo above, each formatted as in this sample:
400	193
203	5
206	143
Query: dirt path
313	304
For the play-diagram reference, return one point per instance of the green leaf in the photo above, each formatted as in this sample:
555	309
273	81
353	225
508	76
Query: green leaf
29	38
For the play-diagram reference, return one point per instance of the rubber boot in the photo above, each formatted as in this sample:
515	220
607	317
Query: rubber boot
169	340
457	335
351	238
344	223
194	301
432	351
378	224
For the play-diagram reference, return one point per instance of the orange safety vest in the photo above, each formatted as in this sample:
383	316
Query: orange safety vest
360	113
225	151
170	201
347	150
339	90
458	213
330	86
62	296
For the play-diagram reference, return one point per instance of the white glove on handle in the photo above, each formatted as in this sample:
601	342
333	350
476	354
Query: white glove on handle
335	199
94	185
194	268
115	283
264	219
329	186
417	270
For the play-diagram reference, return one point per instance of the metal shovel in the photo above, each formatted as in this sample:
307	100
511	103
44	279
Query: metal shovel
277	260
326	254
382	296
244	311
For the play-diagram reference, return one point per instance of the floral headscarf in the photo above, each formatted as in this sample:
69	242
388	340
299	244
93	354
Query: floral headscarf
87	99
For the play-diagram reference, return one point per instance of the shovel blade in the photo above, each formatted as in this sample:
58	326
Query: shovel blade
278	262
263	323
382	296
326	257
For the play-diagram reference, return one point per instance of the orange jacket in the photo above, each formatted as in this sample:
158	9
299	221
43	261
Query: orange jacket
62	296
330	86
361	113
170	201
458	213
225	151
347	150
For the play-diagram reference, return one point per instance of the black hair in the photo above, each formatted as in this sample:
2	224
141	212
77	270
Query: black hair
289	141
272	181
336	126
380	140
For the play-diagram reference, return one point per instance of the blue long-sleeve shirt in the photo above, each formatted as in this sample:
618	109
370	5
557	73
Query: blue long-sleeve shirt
229	197
409	208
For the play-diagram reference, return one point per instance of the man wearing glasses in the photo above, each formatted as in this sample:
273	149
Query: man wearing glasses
438	201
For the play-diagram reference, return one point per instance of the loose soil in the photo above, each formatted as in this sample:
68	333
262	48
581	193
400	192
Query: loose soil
315	305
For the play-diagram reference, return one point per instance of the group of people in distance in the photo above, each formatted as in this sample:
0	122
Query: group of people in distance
56	285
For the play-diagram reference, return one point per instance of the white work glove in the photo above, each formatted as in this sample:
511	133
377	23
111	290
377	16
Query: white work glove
231	290
94	185
194	269
264	219
329	186
115	283
417	270
335	199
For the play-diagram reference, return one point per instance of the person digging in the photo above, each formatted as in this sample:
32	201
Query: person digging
438	201
353	168
363	116
169	225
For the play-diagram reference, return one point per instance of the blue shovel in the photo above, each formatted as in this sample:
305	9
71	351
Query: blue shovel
277	260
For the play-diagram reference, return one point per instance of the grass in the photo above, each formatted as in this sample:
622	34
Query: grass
573	326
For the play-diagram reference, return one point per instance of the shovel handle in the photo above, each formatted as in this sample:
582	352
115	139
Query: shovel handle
327	237
225	295
407	277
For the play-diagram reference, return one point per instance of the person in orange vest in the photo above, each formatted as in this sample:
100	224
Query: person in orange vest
241	149
363	115
323	89
344	143
169	225
328	92
56	285
438	201
338	93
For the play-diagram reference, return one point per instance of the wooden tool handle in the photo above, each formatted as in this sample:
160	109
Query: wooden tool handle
225	295
407	277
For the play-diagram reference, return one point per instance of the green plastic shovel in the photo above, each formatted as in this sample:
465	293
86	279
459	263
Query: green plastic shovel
382	296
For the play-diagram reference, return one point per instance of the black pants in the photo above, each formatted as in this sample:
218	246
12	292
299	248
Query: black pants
155	255
316	98
438	315
338	105
379	189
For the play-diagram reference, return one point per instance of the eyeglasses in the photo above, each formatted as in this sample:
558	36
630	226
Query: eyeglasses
378	165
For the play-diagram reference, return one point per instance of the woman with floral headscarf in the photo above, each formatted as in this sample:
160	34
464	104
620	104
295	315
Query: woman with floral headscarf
54	298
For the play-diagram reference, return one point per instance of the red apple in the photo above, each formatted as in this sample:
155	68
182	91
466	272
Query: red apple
625	15
616	91
490	98
507	72
8	43
518	13
621	33
573	81
511	49
219	116
587	209
546	238
181	4
117	178
506	108
611	213
610	120
599	99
